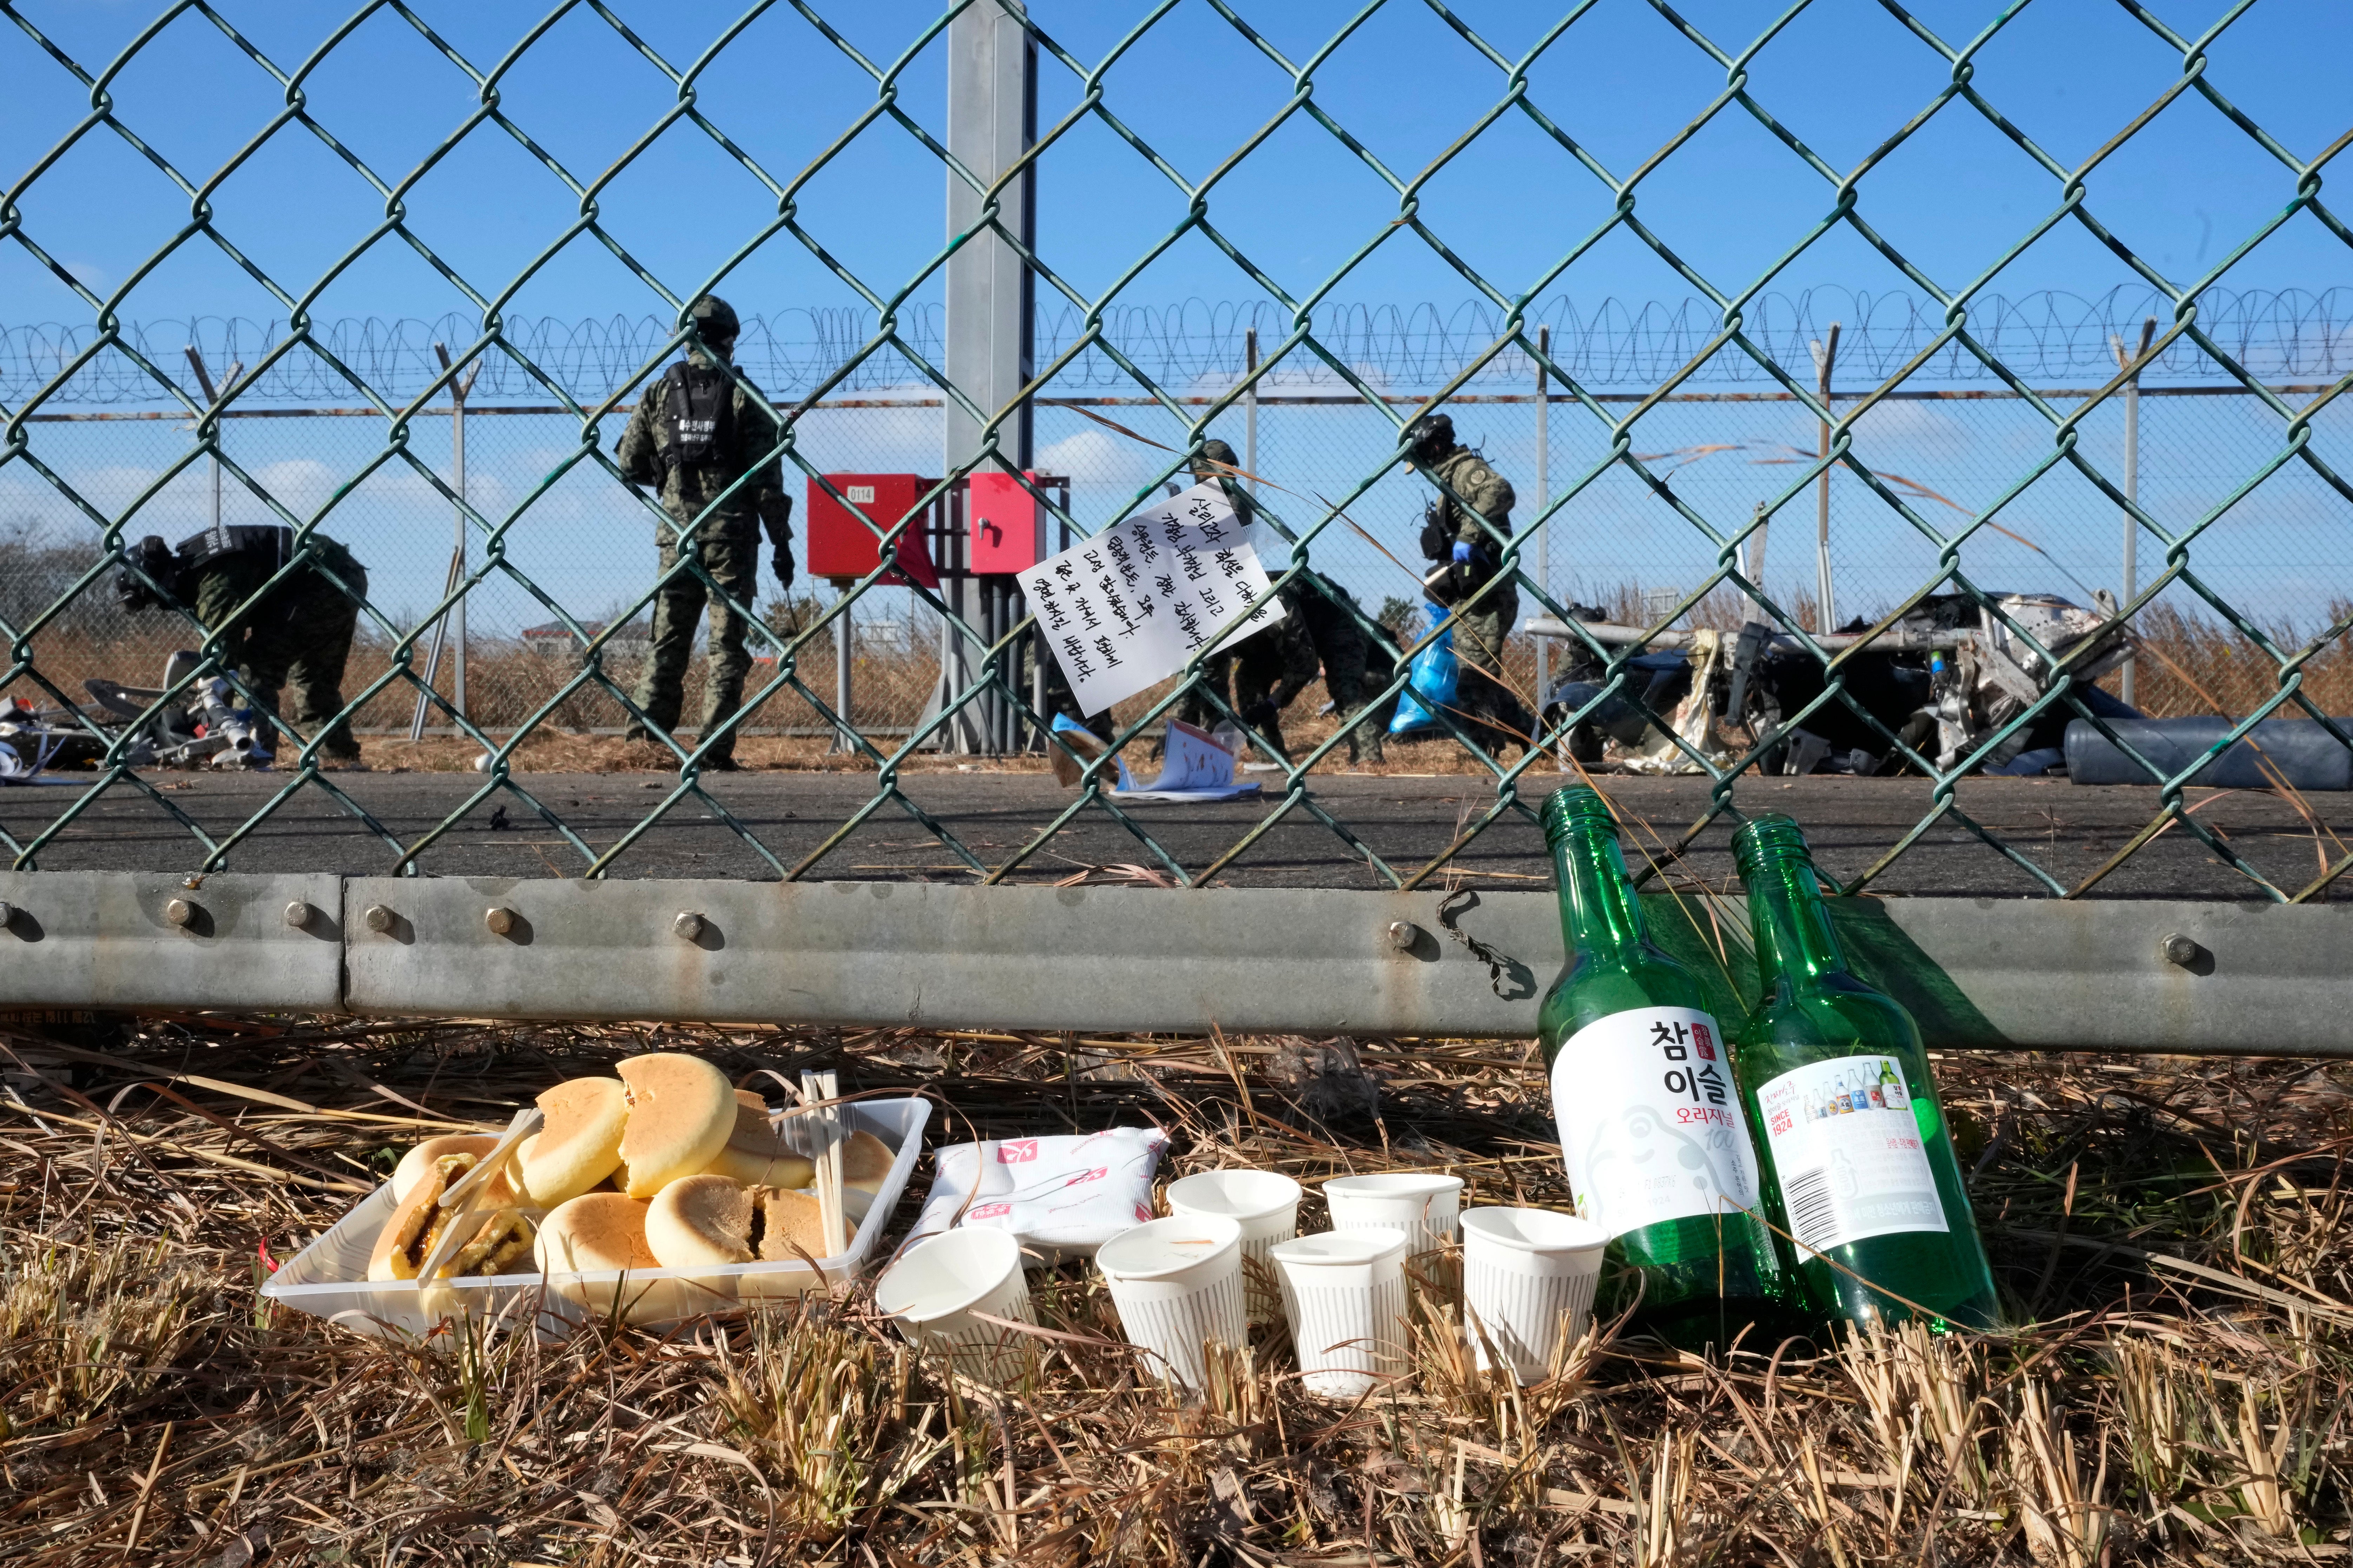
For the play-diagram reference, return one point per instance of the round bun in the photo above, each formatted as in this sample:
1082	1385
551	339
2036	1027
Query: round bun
411	1165
579	1143
756	1153
500	1239
792	1224
704	1221
596	1230
709	1222
682	1111
865	1161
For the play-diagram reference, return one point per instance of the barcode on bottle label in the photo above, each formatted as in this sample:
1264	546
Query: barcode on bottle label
1651	1126
1847	1149
1813	1216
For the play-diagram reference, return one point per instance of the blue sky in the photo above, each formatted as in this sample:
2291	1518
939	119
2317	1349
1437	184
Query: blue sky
1842	75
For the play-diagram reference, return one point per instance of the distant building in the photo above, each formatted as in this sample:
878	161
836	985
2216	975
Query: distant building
555	640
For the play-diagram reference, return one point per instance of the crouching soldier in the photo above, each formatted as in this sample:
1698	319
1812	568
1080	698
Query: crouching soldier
1328	611
296	640
1271	666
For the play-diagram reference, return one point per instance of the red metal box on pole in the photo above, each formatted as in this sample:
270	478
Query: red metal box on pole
840	547
1005	523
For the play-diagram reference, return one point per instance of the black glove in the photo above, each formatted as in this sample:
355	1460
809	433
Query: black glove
154	558
784	567
131	593
1261	715
1436	538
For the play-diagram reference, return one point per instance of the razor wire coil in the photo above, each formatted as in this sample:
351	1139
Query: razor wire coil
2046	338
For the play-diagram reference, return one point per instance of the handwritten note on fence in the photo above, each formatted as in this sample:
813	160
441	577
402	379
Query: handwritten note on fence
1125	609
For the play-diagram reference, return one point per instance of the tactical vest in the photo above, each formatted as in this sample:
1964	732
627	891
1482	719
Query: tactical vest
1441	522
173	571
698	406
273	540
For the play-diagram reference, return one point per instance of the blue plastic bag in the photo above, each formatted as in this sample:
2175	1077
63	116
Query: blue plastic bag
1432	685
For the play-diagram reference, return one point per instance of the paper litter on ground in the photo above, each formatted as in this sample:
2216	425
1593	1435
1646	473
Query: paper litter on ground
1193	767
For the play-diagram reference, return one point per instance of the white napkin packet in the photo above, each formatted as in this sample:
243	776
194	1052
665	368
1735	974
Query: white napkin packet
1060	1196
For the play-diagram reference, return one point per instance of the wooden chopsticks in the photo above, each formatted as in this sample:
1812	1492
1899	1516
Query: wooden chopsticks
464	1195
819	1089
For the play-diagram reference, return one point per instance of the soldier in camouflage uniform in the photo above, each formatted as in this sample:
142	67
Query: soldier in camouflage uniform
698	431
1271	668
1268	670
1329	613
296	641
1469	558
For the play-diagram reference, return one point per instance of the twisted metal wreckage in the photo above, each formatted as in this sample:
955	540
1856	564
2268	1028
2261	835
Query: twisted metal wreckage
1943	678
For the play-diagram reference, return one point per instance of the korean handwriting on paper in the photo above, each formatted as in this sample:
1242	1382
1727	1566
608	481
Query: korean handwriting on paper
1129	607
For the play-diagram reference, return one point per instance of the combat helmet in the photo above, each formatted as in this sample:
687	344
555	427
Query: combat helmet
1428	438
1216	460
714	318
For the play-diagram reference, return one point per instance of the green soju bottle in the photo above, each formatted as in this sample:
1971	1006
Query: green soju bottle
1873	1187
1659	1150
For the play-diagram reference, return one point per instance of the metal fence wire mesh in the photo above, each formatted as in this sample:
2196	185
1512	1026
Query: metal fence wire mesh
1689	479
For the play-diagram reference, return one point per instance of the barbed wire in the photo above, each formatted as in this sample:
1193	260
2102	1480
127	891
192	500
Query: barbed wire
2046	338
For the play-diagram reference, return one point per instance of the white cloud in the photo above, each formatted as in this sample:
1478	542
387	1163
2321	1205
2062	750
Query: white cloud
301	485
1103	458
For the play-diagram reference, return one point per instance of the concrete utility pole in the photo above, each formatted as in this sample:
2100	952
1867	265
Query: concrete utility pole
452	628
204	381
2132	482
992	122
1544	499
1826	611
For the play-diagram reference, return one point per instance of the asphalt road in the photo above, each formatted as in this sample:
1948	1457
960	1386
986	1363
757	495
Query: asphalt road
1406	821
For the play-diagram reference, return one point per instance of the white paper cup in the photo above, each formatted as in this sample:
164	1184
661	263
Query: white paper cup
1424	1207
1527	1280
1265	1203
938	1284
1343	1291
1177	1283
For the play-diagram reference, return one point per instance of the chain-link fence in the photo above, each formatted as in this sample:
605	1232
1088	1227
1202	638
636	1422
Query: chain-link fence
588	545
1683	471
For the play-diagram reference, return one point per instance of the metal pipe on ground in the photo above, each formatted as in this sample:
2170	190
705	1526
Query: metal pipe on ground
2294	752
1609	634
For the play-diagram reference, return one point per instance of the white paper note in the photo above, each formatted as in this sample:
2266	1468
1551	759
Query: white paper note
1125	609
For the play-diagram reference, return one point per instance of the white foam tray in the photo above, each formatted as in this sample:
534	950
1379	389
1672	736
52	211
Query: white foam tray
329	1277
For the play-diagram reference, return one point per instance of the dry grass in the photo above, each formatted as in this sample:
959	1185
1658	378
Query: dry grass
2175	1231
2195	665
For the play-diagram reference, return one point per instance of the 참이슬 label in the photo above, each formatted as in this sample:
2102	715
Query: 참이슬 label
1649	1119
1847	1148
